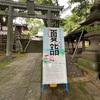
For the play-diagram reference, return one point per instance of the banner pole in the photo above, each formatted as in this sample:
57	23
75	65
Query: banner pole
42	88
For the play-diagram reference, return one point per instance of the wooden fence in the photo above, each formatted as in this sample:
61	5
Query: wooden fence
16	47
3	42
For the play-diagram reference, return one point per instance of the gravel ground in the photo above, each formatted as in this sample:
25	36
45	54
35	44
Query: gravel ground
73	71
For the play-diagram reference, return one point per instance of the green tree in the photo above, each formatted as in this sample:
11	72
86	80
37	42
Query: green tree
2	21
79	14
71	23
34	25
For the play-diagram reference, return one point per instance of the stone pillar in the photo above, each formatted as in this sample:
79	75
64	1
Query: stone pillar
10	32
49	18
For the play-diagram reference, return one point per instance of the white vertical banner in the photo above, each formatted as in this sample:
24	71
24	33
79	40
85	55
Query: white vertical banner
54	61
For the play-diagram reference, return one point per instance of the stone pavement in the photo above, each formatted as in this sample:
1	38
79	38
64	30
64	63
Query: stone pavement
21	80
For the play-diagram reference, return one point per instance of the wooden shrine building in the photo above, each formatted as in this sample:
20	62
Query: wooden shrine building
90	57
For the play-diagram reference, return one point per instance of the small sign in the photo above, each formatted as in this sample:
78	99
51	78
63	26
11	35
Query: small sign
54	62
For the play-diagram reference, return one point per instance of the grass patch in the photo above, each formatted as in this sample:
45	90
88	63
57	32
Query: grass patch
81	85
77	94
19	54
4	63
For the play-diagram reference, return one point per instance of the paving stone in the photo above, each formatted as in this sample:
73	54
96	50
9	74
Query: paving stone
22	69
18	94
97	83
15	70
24	82
6	90
89	97
92	89
9	81
29	70
38	66
26	77
1	69
96	97
82	87
5	72
0	79
16	78
8	86
77	93
36	76
6	79
34	91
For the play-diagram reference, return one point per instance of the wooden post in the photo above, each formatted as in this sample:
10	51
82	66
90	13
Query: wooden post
68	47
10	32
72	47
83	45
77	46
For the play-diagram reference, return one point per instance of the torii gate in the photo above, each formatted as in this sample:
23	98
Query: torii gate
52	13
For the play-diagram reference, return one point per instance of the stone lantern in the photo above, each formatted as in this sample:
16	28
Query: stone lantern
90	60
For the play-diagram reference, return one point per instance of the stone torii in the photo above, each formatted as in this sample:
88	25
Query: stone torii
51	16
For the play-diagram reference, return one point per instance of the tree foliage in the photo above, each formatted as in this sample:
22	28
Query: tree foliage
34	25
71	23
79	14
2	21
